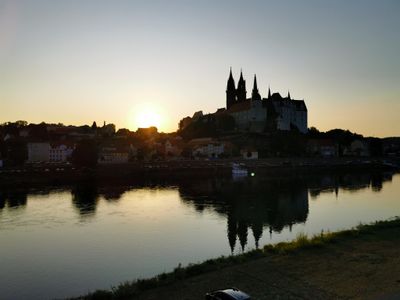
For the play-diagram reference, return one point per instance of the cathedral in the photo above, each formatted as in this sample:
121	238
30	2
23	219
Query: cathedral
257	114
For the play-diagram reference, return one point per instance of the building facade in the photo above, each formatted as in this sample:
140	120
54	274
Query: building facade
61	151
257	114
38	152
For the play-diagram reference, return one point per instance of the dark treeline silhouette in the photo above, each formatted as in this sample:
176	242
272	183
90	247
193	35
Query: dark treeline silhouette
103	144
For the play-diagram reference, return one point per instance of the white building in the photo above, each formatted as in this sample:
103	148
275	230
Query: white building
207	147
249	153
287	114
61	152
38	152
249	115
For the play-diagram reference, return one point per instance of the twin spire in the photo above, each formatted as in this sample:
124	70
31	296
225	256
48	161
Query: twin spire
239	94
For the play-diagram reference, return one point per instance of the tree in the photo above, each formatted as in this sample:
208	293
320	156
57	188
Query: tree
39	131
313	132
85	154
17	152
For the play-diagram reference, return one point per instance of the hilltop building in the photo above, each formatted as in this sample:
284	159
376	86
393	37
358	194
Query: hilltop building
258	114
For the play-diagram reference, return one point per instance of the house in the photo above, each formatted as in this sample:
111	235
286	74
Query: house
38	152
207	147
115	153
173	147
322	147
357	148
249	153
61	151
391	146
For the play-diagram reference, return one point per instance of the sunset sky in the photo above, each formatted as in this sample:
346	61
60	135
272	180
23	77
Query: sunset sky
138	62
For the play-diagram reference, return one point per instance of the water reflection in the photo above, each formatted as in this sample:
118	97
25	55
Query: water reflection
13	198
249	206
85	198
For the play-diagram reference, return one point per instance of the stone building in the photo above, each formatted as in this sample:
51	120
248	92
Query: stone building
257	114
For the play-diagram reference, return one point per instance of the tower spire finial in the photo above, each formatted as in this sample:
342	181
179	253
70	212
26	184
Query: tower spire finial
230	90
255	95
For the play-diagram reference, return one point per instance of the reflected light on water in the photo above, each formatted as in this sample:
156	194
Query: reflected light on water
63	242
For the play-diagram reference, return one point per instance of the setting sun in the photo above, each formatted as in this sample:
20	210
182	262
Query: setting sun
147	117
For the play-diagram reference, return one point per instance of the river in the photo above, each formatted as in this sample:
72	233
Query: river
64	241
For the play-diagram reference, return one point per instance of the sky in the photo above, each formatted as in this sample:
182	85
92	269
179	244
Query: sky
125	62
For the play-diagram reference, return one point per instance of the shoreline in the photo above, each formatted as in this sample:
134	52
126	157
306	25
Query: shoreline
351	263
55	174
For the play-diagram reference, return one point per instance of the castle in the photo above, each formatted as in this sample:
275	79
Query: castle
258	114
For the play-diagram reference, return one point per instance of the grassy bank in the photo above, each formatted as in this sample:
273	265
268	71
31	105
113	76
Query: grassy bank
301	244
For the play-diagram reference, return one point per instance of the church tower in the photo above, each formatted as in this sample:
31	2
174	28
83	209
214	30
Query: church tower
241	89
255	95
230	91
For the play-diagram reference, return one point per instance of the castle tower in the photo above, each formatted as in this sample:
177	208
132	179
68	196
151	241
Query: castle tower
241	89
255	95
230	91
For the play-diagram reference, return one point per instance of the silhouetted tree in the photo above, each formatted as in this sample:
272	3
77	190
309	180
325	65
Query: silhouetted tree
39	131
375	146
124	132
94	125
313	132
85	154
16	151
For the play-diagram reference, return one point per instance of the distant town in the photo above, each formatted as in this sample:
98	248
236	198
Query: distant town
246	128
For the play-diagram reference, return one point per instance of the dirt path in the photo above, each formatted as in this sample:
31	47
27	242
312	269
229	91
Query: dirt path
366	267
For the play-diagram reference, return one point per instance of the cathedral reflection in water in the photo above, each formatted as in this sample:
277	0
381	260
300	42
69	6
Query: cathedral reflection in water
257	205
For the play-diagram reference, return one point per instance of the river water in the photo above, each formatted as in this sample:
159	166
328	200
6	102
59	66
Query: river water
60	242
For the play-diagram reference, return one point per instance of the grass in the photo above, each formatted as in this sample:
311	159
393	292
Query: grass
302	242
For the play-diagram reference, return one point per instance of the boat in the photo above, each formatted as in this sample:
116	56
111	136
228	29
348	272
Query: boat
239	169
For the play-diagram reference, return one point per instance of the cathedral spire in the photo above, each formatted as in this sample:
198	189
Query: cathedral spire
241	89
255	95
288	95
230	91
269	92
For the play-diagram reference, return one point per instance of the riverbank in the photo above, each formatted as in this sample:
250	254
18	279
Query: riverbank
361	263
66	173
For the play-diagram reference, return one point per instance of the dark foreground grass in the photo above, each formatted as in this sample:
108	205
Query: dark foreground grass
131	289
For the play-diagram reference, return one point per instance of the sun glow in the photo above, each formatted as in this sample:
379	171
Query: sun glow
148	116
